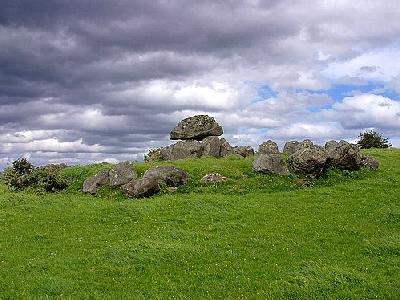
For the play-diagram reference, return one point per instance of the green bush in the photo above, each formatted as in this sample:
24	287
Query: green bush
22	174
372	139
47	180
19	174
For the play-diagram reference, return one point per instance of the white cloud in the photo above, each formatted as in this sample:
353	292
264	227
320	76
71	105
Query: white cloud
212	95
380	65
301	130
366	111
50	145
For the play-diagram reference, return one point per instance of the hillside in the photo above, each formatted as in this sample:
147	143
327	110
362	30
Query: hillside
253	237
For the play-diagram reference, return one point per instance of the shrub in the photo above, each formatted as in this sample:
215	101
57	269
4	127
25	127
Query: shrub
19	174
48	180
22	174
372	139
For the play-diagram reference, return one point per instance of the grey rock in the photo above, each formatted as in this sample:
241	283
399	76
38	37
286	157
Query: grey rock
172	176
216	147
268	147
304	144
331	145
370	162
243	151
344	156
309	160
172	189
213	178
212	146
121	174
183	149
155	155
270	164
196	128
141	188
92	184
290	147
226	148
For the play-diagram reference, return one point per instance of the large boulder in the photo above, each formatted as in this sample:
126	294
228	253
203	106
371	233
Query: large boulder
270	164
331	145
212	146
216	147
309	160
141	188
290	147
268	147
183	149
304	144
92	184
196	128
243	151
226	148
155	155
370	162
172	176
344	155
121	174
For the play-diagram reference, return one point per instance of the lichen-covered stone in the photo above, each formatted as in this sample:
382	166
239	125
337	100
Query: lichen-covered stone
141	188
270	164
310	161
121	174
92	184
196	128
268	147
172	176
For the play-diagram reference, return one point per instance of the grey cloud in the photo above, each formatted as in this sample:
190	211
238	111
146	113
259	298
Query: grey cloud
369	69
84	70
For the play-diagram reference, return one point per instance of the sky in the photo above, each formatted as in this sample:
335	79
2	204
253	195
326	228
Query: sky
89	81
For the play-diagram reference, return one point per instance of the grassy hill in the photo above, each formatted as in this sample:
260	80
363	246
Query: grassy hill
253	237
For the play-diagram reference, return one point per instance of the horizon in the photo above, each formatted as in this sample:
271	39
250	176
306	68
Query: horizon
83	83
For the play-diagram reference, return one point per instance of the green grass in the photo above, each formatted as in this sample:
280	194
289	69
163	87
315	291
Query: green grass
253	237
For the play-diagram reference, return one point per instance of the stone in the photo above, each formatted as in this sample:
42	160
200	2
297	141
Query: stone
172	176
226	148
154	155
305	143
330	145
213	178
270	164
141	188
212	146
290	147
370	162
172	189
196	128
92	184
309	160
121	174
344	156
268	147
182	150
243	151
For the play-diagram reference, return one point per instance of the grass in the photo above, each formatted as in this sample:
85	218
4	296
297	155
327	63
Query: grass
253	237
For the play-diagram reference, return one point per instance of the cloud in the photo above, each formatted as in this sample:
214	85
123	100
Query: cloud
82	82
378	65
366	111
